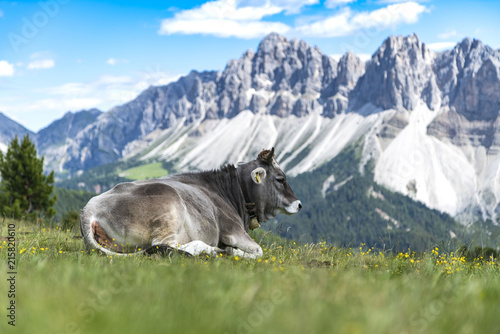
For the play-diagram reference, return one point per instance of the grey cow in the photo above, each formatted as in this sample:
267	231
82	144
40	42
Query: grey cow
208	211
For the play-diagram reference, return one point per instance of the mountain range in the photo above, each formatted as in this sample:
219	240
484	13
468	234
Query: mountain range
427	121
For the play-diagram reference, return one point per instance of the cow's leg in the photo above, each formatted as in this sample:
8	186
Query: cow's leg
242	245
198	247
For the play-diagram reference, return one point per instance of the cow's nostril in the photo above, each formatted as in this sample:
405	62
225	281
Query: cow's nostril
300	205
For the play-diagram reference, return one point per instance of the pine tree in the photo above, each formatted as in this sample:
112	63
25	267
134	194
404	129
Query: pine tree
25	190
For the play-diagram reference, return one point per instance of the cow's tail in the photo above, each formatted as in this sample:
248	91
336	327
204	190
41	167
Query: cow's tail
95	237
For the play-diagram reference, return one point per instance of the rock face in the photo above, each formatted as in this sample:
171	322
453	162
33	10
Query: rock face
189	99
282	78
429	121
349	69
469	79
398	76
67	127
9	129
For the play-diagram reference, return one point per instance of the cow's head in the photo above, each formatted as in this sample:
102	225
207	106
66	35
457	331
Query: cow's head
267	187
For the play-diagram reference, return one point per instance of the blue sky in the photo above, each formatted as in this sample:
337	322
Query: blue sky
68	55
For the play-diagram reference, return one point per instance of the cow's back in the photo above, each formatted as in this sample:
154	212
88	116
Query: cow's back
155	211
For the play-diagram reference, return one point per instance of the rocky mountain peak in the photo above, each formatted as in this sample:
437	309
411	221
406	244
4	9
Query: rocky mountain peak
189	99
9	129
467	75
271	43
249	54
283	77
466	55
350	69
399	75
395	45
69	126
291	65
469	79
465	44
345	75
470	46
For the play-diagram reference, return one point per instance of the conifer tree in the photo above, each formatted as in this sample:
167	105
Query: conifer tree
24	189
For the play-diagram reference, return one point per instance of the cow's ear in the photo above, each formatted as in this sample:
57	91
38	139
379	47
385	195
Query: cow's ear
258	175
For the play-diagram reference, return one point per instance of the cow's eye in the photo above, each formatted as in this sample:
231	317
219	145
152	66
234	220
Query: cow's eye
280	179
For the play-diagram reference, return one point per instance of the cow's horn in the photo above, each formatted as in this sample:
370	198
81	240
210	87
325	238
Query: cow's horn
270	156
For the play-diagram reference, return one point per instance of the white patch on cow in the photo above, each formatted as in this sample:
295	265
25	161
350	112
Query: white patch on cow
246	255
294	207
197	247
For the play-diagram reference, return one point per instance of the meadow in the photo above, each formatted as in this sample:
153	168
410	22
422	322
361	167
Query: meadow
152	170
294	288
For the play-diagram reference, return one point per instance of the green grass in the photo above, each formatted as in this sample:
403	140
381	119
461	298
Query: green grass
148	171
313	288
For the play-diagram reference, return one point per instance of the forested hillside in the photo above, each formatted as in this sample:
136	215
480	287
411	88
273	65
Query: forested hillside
346	207
105	177
70	200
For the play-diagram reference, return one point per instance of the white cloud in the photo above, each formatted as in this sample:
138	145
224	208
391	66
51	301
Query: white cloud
244	18
228	10
231	18
62	105
6	69
224	28
386	2
337	3
441	46
347	22
114	61
337	25
41	64
448	34
291	6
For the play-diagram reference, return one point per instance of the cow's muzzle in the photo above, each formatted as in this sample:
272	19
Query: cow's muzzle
294	207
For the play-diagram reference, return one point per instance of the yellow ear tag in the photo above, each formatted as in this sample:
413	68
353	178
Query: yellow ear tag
257	177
